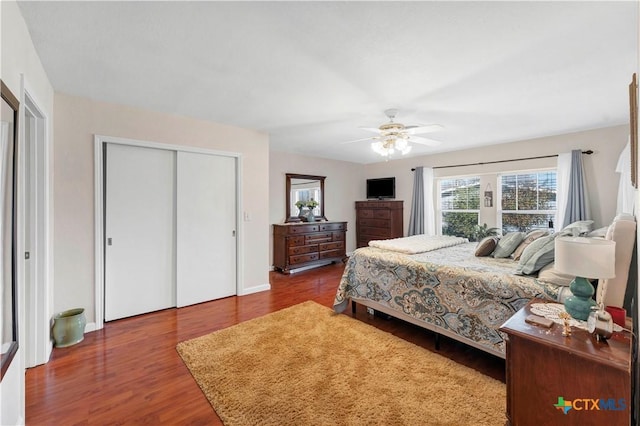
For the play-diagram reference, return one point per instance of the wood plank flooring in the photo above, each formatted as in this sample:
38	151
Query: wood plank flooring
130	372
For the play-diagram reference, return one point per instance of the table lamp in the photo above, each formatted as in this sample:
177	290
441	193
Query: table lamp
584	258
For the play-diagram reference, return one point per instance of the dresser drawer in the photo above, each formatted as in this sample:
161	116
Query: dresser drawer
318	238
363	242
296	241
374	214
375	233
303	258
376	204
376	223
332	227
303	229
303	249
364	213
338	236
331	246
382	214
331	253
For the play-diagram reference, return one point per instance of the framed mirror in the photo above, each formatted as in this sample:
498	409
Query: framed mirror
8	292
301	189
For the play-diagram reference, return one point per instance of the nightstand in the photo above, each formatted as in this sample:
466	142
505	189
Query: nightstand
546	371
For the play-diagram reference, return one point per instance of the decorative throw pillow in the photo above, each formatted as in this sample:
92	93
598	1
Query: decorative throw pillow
486	246
528	239
508	244
583	226
539	253
598	233
549	274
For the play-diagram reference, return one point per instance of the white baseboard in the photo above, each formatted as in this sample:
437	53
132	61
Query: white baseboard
256	289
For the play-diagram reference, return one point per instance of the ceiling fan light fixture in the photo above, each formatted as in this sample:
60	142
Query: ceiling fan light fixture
378	147
401	144
388	146
394	136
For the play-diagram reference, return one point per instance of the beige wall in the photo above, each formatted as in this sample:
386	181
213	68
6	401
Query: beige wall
342	186
345	182
77	121
602	180
19	58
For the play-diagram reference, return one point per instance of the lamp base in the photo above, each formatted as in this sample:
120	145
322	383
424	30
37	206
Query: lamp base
579	305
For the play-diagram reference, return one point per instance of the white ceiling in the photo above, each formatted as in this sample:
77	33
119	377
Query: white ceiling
311	73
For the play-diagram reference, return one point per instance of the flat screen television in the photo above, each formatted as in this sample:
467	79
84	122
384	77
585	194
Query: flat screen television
380	188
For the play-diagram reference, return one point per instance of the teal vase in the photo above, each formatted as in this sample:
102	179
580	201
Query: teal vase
579	305
68	327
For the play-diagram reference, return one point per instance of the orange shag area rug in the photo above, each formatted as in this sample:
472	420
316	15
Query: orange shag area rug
306	365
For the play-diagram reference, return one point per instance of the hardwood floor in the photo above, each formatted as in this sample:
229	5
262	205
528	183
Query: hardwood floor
130	373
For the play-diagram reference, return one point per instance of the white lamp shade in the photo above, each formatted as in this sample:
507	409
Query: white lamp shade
585	257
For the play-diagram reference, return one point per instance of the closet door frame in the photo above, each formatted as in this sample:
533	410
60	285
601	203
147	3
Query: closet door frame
99	219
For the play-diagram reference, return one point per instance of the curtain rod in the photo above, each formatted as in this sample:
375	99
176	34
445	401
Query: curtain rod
588	152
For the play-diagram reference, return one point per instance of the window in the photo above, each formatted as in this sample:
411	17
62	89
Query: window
459	206
528	200
306	195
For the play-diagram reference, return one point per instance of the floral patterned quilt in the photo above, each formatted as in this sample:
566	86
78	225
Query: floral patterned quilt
451	290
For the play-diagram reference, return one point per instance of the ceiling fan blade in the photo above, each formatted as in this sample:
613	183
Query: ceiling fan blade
370	129
417	130
359	140
424	141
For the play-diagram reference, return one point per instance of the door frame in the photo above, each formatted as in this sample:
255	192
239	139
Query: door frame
37	295
99	181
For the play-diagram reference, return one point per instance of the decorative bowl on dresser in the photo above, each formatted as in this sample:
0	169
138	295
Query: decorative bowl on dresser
378	220
297	245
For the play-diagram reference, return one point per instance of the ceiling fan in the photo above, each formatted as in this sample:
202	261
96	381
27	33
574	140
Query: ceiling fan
394	136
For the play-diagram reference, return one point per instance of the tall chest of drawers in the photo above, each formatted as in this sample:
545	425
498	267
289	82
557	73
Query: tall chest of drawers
296	245
378	220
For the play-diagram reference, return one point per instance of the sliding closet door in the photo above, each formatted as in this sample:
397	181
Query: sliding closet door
139	230
206	227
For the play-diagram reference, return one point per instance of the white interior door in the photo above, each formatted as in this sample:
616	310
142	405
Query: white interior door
206	227
139	230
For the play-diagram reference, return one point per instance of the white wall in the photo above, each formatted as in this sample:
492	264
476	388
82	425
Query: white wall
19	59
77	120
602	180
342	187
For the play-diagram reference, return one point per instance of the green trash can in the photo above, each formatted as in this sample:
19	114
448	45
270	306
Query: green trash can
68	327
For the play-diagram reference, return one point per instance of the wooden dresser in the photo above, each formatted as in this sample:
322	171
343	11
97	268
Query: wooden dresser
296	245
378	220
546	371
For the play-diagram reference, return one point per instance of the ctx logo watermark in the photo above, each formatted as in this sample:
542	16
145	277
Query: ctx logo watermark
590	404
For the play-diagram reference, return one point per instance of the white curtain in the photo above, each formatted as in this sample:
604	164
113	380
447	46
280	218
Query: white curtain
429	210
562	194
626	191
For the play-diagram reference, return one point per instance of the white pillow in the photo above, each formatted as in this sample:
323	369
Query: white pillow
551	275
598	233
583	226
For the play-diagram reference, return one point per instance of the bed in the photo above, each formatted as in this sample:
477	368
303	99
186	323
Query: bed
453	292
